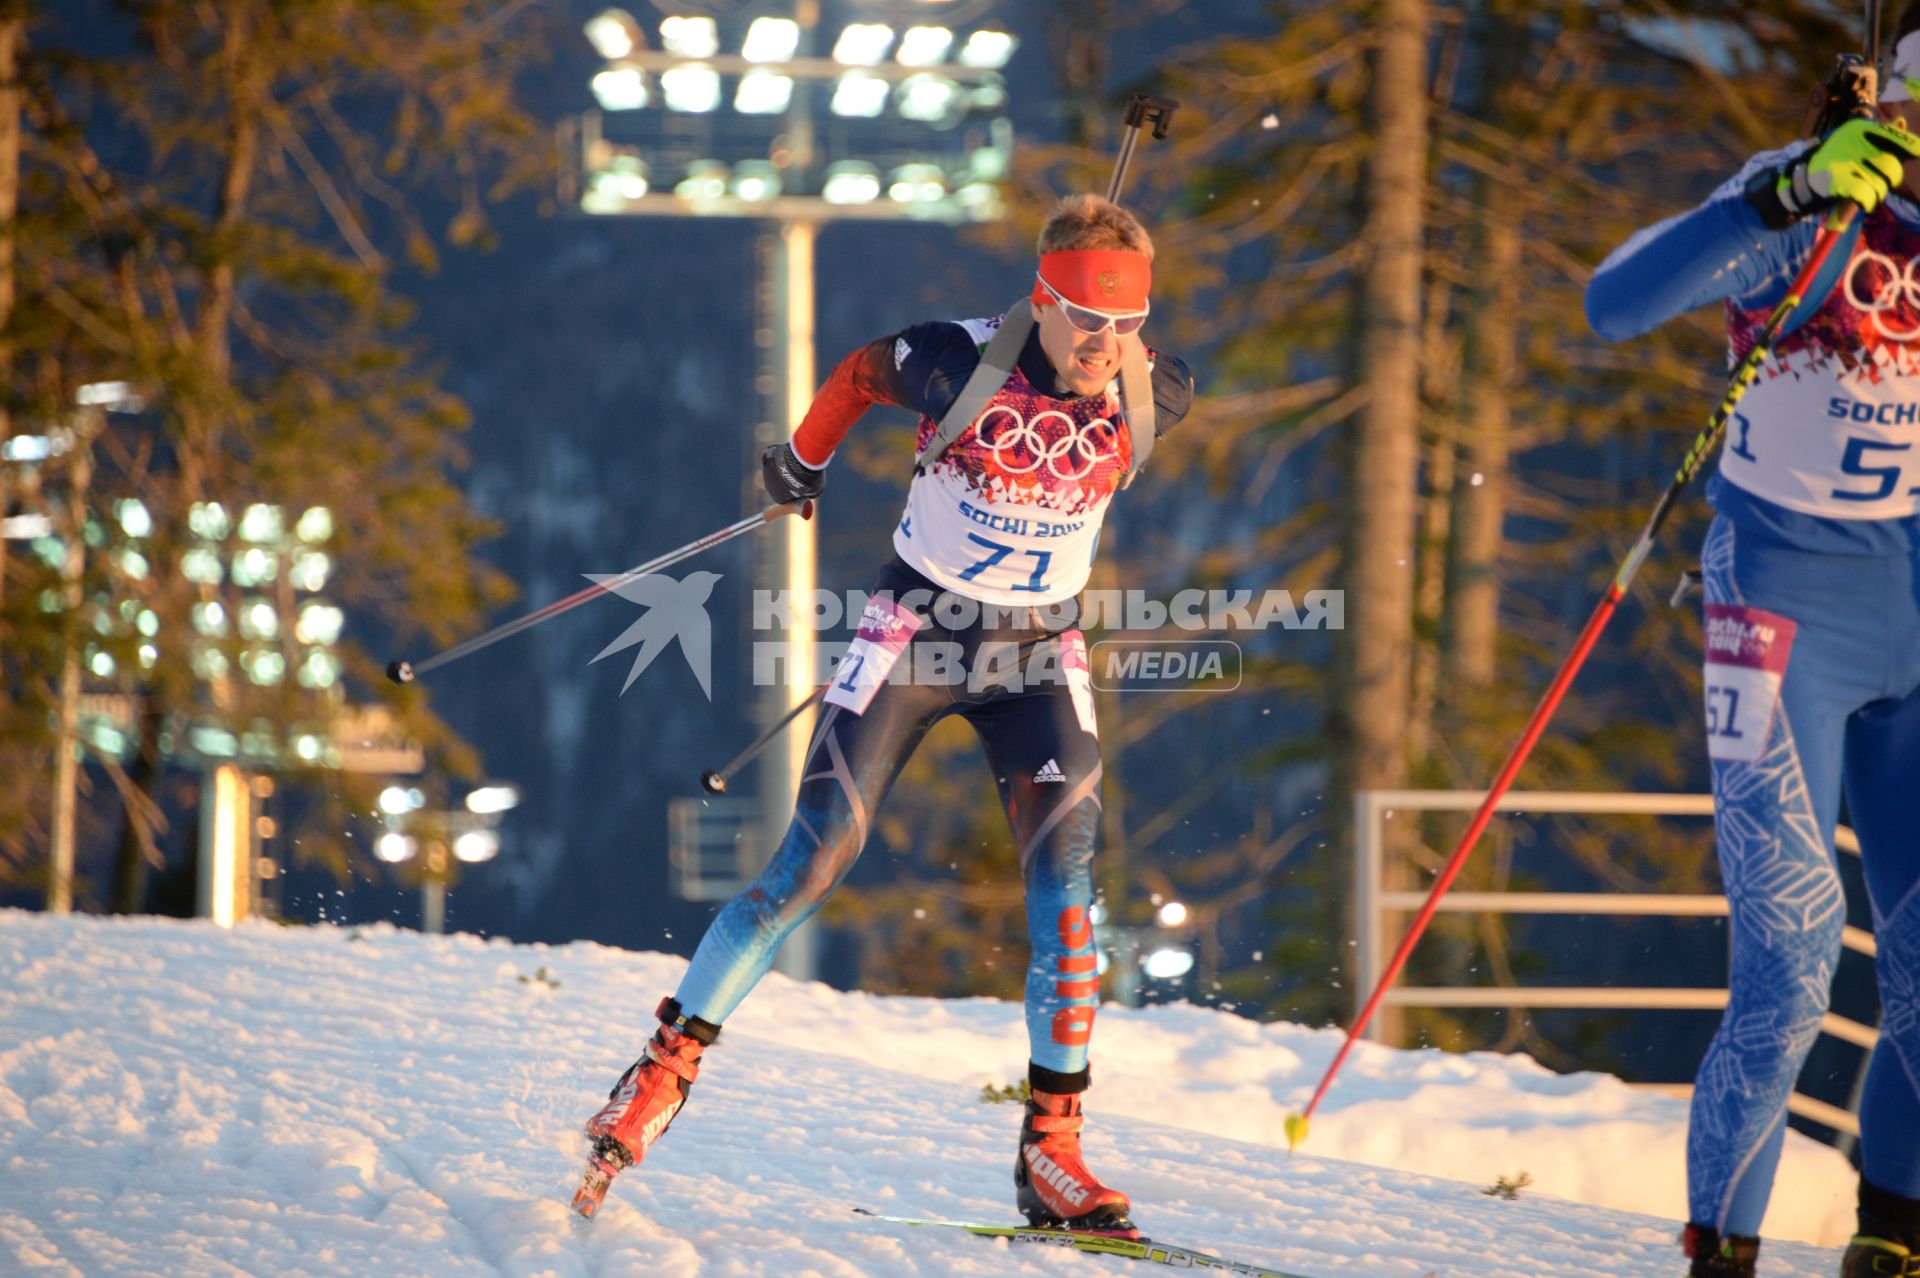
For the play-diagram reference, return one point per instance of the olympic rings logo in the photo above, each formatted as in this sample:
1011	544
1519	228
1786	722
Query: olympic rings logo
1896	286
1025	438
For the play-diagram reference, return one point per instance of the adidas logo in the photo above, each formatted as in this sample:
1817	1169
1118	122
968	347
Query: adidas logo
1050	771
1045	1169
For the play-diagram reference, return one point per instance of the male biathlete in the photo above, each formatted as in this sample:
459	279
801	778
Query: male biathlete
1812	571
1028	426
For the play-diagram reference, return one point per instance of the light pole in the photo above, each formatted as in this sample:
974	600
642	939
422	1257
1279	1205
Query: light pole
441	839
923	105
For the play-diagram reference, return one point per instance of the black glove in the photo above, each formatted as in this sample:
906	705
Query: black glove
788	479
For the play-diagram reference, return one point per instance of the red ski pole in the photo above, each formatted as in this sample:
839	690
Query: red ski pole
1743	377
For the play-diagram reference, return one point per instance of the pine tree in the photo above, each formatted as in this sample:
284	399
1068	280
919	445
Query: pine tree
247	179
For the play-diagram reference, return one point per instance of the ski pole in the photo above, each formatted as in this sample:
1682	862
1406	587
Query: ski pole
714	781
407	672
1744	375
1141	110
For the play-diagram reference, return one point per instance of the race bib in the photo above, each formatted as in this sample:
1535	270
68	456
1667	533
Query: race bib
1747	653
1073	660
886	628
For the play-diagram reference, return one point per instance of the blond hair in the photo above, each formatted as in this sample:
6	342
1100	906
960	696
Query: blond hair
1090	222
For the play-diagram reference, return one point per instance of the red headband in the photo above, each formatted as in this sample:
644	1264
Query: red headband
1102	279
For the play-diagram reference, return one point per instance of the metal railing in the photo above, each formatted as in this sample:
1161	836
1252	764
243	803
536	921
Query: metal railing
1373	903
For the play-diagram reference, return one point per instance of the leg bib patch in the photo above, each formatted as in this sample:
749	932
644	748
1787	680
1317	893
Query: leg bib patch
886	628
1747	650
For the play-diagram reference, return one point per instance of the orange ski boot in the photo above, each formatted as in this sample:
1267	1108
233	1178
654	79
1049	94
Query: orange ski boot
1053	1187
643	1103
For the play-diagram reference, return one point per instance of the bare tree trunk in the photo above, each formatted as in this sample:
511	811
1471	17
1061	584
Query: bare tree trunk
73	637
1481	489
1370	716
12	39
143	775
1383	462
1077	35
236	184
1440	381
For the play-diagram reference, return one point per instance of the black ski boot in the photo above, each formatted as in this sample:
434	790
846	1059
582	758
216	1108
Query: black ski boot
1715	1257
1888	1244
1869	1257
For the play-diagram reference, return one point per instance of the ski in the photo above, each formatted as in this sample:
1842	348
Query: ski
602	1166
1098	1244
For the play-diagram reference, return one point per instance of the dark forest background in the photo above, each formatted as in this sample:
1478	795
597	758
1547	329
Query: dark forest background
322	240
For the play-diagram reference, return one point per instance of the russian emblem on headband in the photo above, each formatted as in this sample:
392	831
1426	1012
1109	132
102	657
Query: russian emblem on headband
1109	282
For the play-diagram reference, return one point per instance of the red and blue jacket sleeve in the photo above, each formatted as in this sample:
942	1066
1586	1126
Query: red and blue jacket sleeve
920	368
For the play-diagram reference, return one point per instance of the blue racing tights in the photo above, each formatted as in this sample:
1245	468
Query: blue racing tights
1813	686
1025	691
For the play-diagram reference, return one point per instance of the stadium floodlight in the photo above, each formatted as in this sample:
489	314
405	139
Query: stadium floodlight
693	89
927	98
1168	964
259	619
115	397
989	163
315	524
859	93
319	623
473	846
209	519
988	49
394	847
320	670
489	799
620	88
253	566
624	178
863	44
26	448
394	801
202	564
309	569
705	180
771	40
261	522
613	34
917	184
756	180
763	92
924	46
135	518
689	37
851	182
264	666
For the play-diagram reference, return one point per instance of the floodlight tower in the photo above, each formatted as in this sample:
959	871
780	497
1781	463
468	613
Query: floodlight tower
916	131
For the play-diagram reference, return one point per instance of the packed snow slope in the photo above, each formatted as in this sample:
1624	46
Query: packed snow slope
181	1101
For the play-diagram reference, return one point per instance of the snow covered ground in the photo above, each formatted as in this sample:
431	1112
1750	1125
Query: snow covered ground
180	1101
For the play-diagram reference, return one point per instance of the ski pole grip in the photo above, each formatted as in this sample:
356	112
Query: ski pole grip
1143	109
804	509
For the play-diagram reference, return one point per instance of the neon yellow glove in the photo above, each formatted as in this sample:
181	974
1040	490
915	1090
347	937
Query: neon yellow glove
1861	161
